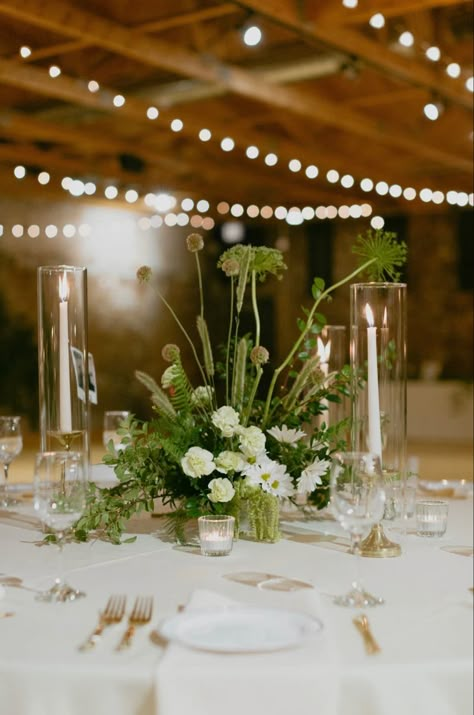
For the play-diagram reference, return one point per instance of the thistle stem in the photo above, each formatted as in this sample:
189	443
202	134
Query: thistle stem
201	294
309	323
229	337
256	382
255	308
186	335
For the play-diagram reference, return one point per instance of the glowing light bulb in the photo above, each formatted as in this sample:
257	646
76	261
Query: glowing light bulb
406	39
252	36
377	21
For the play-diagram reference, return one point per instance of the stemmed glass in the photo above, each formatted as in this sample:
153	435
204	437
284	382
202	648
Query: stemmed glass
112	422
11	444
59	500
357	500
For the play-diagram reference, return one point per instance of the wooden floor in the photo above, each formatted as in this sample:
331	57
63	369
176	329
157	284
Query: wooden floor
436	460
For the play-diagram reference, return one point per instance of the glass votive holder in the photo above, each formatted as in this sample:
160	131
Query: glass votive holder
216	534
431	517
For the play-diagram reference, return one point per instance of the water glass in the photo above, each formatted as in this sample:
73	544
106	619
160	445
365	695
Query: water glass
11	444
216	534
431	517
60	489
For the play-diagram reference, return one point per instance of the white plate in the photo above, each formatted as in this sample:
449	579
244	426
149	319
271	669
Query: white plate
240	630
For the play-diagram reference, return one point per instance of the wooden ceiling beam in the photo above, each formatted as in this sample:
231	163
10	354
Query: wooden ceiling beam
62	17
356	44
389	8
166	23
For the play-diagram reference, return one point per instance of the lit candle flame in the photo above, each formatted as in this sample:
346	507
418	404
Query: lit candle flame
63	288
369	315
324	351
385	321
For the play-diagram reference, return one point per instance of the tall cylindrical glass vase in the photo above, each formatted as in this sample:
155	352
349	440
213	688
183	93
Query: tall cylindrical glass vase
378	361
63	358
332	349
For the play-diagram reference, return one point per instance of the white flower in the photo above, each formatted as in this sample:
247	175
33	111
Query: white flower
226	419
197	462
229	462
169	376
202	395
252	441
271	476
311	476
221	490
285	435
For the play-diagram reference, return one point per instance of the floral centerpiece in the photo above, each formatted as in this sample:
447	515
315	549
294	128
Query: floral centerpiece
222	446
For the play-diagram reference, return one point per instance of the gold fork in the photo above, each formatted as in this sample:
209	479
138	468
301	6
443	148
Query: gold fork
140	616
363	626
112	613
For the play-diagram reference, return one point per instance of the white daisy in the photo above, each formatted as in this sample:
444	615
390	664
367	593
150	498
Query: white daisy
286	435
311	476
271	476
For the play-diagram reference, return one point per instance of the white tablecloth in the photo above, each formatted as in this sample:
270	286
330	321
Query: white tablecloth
424	629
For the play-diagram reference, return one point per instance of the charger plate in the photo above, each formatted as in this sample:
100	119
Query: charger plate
240	630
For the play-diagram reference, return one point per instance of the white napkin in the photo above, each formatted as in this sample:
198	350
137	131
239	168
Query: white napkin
302	680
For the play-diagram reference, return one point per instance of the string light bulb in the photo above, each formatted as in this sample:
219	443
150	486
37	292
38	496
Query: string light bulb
252	36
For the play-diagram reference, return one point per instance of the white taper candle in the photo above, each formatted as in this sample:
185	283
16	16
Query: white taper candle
375	436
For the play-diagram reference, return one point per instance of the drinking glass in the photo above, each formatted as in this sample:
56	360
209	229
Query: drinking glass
357	500
113	420
11	444
59	500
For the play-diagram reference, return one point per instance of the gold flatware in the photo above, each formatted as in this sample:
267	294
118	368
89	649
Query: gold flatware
140	616
363	626
112	613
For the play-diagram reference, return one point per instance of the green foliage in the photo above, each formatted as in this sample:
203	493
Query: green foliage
386	252
157	459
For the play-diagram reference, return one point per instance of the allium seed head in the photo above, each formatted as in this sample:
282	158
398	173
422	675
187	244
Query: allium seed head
231	267
259	355
195	242
144	274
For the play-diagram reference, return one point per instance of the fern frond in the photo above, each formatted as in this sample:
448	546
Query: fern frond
158	397
182	389
206	345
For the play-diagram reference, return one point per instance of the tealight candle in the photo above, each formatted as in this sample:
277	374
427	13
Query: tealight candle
216	533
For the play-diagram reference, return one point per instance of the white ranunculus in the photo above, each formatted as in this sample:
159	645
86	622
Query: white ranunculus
197	462
229	462
311	476
221	490
252	441
285	435
226	419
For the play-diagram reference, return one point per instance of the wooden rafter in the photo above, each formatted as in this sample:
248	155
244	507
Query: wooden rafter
389	8
64	18
347	40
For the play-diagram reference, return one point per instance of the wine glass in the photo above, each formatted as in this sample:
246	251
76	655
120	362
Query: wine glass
357	500
11	444
113	420
60	488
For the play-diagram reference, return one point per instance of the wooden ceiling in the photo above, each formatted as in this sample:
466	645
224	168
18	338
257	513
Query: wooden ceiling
323	87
